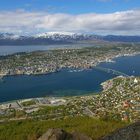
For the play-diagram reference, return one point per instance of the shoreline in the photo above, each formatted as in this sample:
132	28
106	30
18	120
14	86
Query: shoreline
64	96
51	97
110	60
83	105
70	96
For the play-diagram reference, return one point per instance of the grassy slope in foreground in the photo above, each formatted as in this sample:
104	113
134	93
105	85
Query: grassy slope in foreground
31	129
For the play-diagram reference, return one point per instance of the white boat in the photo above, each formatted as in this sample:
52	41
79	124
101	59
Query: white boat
77	70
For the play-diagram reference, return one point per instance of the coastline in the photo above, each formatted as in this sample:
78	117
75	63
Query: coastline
89	105
63	96
94	94
110	60
54	92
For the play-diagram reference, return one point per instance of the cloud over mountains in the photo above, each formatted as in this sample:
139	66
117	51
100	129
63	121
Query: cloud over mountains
20	21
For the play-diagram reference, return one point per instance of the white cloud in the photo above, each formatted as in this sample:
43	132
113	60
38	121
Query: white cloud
126	22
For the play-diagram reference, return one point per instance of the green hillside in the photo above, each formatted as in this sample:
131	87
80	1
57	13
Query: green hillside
32	129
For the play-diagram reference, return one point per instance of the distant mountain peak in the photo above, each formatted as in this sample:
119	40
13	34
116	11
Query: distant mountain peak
9	36
61	38
48	34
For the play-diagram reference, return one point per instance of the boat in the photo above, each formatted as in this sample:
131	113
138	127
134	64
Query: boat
76	70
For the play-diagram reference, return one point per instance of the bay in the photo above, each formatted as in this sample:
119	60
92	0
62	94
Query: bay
66	82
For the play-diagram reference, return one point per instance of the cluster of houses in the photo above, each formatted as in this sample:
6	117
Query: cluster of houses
53	61
30	105
120	99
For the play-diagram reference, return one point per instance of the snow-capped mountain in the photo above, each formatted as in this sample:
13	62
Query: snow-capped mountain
47	34
9	36
60	38
55	36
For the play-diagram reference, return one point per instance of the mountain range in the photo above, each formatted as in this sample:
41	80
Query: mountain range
61	38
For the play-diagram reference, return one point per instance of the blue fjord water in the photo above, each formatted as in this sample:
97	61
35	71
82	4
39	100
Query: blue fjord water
65	83
7	50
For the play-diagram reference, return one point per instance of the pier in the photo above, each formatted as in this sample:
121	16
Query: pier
108	70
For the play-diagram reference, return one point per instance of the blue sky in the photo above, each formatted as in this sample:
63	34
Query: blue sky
71	6
93	16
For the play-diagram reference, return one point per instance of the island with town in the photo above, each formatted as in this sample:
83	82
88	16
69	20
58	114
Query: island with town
44	62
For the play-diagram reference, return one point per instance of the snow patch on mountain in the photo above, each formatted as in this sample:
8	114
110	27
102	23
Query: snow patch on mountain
48	34
9	36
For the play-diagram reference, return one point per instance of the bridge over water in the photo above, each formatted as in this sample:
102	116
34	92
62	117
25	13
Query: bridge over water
108	70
